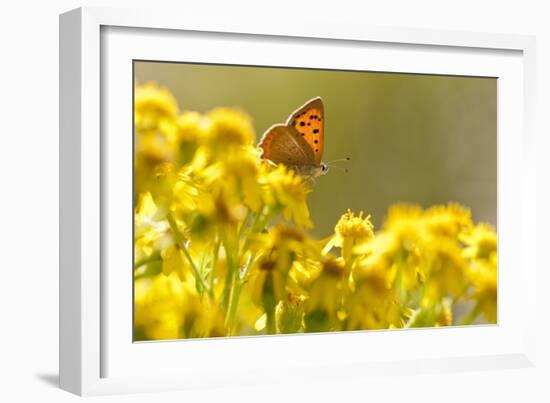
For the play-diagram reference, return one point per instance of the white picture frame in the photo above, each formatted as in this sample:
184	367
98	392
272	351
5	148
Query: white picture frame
96	356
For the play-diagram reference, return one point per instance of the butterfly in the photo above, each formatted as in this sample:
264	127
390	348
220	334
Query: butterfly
299	143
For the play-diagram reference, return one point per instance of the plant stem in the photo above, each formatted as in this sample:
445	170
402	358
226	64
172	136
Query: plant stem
155	257
214	263
243	225
180	240
270	321
227	288
472	315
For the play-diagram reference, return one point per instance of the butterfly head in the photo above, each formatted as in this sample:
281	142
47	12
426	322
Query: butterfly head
324	169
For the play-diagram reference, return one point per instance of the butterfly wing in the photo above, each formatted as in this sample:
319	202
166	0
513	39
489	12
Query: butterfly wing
284	144
309	122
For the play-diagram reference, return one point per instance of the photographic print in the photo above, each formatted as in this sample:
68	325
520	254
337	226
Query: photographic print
271	200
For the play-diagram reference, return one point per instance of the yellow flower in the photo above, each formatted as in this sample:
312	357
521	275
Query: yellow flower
229	128
153	106
483	275
155	112
286	190
186	191
449	220
481	242
404	223
158	307
277	252
481	251
357	228
326	293
203	318
432	315
373	303
192	127
352	232
166	308
445	317
191	132
427	250
151	231
156	142
446	276
290	314
173	262
236	176
154	147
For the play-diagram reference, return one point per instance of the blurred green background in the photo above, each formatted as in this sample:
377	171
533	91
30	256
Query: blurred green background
412	138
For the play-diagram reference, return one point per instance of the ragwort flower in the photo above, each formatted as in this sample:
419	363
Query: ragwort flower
228	128
323	308
153	106
352	232
286	190
373	303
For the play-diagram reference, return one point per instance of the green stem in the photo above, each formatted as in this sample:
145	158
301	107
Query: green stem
270	324
235	294
227	288
232	294
146	260
216	252
180	240
243	225
472	315
251	230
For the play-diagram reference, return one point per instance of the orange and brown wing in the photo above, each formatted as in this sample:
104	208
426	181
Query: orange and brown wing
309	122
283	144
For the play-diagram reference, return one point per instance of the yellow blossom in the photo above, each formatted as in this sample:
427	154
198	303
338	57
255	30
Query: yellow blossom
153	105
158	307
277	252
404	223
236	176
483	275
229	128
446	273
432	315
373	303
151	231
481	242
191	127
351	232
220	247
174	262
285	190
155	111
447	221
326	295
191	132
290	314
481	251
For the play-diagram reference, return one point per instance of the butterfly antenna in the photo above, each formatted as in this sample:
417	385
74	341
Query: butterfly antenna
338	167
339	160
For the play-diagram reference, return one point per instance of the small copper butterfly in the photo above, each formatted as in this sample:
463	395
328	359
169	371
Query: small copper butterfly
299	143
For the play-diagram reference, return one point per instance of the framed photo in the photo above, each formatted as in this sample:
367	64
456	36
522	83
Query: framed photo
242	203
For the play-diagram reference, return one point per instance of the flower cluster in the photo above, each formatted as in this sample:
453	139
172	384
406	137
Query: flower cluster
221	245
